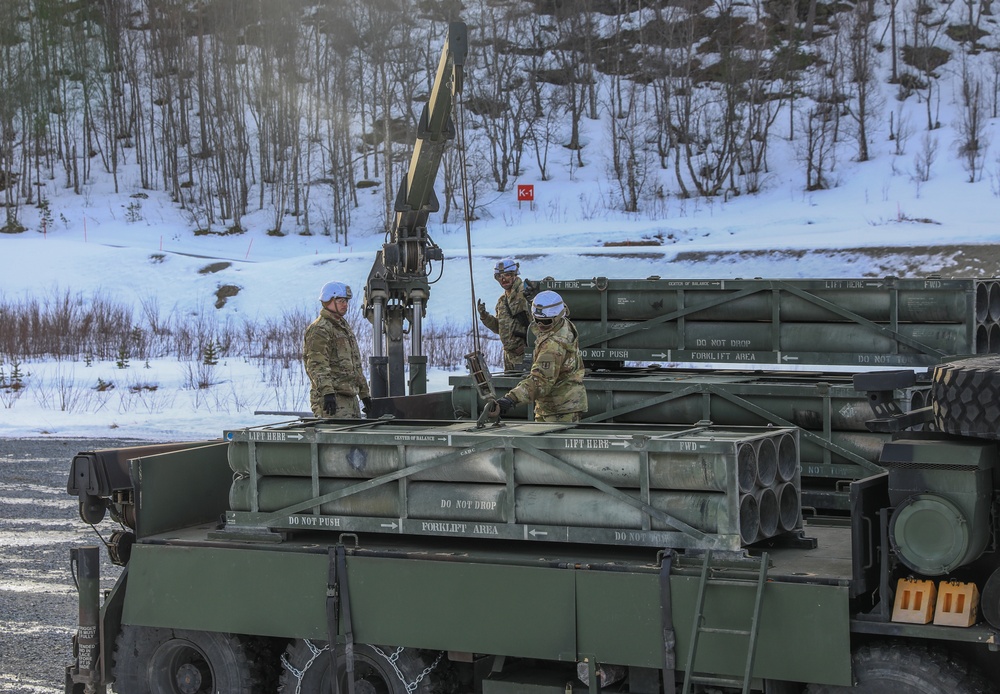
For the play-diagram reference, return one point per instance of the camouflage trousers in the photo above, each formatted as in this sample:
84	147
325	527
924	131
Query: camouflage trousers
514	362
558	417
347	408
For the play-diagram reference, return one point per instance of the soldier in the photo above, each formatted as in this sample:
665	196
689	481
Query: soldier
511	320
556	379
332	358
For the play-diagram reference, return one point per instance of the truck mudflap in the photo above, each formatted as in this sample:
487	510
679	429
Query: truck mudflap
98	626
84	675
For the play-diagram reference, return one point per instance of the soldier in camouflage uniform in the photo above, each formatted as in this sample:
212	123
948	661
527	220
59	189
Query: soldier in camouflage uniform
556	379
333	360
510	320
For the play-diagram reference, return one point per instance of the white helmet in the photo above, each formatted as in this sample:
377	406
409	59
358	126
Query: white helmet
547	305
506	266
334	290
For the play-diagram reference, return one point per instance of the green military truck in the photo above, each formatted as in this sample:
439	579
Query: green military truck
455	556
701	531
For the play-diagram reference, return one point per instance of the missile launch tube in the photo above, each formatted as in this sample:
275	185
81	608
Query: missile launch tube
915	303
759	337
695	470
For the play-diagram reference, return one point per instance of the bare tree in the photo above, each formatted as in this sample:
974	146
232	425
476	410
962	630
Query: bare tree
862	105
715	125
336	96
763	96
971	127
15	78
995	67
817	124
926	22
573	22
499	96
379	24
169	67
924	159
542	118
629	160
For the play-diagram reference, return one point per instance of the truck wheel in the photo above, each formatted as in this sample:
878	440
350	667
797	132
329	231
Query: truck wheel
890	668
152	660
966	397
377	669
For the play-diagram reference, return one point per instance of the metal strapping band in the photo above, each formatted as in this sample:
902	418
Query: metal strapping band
667	623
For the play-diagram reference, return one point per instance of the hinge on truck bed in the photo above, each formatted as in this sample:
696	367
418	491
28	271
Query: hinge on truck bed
337	598
667	624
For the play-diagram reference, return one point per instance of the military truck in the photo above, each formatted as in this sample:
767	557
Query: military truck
408	555
704	531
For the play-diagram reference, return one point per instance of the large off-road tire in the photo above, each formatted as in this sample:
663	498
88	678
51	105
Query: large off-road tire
151	660
892	668
377	669
965	396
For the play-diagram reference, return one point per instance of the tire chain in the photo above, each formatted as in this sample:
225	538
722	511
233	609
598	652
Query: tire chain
299	674
412	686
317	652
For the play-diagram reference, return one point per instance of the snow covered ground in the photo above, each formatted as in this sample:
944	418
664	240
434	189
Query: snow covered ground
141	251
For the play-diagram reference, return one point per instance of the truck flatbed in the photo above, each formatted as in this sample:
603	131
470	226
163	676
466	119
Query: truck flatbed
828	563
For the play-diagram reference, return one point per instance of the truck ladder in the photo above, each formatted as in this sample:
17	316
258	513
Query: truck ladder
690	677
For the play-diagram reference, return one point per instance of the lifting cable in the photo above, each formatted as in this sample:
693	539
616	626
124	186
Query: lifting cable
460	138
475	361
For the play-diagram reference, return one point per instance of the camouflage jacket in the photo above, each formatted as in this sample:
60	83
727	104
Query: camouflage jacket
510	322
556	379
333	363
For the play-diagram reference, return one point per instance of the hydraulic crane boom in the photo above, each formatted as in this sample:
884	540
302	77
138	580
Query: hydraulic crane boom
397	289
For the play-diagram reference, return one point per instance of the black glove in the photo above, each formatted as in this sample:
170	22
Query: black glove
365	404
531	288
522	319
505	404
330	404
482	308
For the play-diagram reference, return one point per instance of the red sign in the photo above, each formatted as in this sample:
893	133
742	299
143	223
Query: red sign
525	193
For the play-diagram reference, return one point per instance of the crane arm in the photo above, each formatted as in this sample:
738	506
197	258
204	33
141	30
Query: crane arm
397	288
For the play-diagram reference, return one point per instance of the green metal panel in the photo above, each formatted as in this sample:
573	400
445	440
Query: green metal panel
545	612
239	590
179	489
873	322
508	610
804	633
483	608
618	617
619	622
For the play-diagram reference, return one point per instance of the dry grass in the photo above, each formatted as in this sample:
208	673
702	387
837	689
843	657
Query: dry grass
74	328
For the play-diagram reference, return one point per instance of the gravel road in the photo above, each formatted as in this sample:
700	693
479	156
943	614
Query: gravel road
39	523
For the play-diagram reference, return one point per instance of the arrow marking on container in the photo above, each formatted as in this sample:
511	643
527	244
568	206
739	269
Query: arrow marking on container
391	526
661	355
788	358
297	437
535	533
623	444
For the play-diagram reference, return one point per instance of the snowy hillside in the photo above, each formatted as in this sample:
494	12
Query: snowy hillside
912	208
